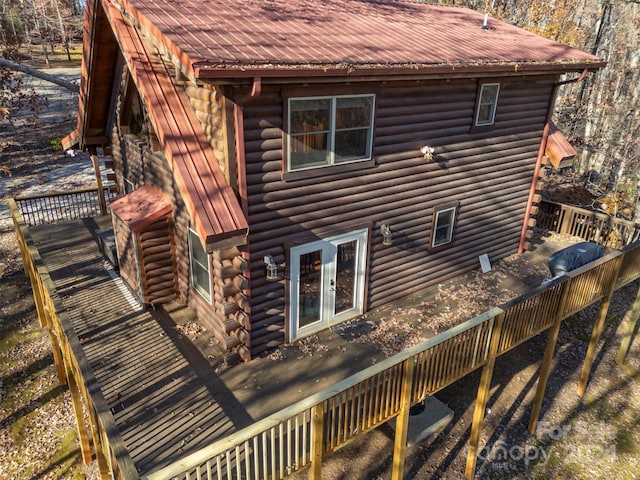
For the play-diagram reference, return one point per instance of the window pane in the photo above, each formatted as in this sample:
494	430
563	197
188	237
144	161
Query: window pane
200	275
487	104
353	112
309	150
310	115
352	145
310	288
345	277
443	228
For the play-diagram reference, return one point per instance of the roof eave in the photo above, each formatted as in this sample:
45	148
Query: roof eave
206	71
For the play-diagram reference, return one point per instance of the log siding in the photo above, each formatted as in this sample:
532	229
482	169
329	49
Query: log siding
488	170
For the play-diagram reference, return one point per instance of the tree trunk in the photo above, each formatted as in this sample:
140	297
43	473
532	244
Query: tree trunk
40	74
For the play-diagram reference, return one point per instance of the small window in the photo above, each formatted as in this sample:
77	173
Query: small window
487	101
200	266
128	186
325	131
444	219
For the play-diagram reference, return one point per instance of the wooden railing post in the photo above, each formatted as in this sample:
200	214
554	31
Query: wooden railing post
545	369
632	320
317	441
101	200
76	400
483	396
402	421
598	327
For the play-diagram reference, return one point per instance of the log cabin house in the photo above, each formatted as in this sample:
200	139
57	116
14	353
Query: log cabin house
287	165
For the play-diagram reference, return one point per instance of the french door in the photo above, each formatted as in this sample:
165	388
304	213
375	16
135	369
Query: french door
327	282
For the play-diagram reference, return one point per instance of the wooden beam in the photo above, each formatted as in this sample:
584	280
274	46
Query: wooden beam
96	169
317	441
483	396
632	320
598	327
547	361
76	400
402	421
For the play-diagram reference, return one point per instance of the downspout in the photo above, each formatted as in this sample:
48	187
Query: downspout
238	125
241	171
541	150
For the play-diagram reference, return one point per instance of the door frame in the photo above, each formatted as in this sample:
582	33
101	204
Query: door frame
361	236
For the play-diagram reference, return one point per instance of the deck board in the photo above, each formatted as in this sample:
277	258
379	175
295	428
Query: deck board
164	402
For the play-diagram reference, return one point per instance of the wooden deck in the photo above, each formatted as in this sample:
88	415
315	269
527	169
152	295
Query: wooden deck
168	399
171	404
164	396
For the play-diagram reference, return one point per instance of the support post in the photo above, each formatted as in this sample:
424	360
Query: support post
483	397
58	359
402	421
598	327
632	321
547	361
317	441
101	200
85	447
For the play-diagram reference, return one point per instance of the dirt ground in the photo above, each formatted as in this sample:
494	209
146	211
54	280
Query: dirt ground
597	436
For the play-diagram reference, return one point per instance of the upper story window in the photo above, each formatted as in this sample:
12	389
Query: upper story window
487	101
200	266
325	131
444	218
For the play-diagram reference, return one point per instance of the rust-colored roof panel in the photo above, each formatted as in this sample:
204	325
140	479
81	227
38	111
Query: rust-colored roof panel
141	208
226	35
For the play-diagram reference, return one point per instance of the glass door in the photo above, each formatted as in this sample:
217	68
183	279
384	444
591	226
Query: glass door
327	282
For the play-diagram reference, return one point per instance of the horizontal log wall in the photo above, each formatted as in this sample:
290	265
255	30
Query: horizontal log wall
487	170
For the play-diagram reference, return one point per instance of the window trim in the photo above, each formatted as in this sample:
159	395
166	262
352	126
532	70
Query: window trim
198	288
453	206
368	160
493	103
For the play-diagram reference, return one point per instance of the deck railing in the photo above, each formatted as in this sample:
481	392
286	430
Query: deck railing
592	226
300	435
73	367
67	205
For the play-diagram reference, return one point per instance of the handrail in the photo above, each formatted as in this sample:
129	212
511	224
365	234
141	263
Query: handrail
64	205
590	225
106	435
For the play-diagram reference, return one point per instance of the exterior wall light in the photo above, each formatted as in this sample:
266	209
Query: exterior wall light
387	237
272	268
427	152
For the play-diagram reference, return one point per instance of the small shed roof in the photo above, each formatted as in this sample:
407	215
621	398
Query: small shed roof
141	208
228	38
560	152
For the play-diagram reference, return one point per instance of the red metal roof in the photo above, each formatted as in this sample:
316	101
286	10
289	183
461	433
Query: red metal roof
219	38
141	208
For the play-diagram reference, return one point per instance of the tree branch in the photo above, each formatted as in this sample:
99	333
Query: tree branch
34	72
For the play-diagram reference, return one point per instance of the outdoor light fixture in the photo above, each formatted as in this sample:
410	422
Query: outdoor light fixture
272	268
386	234
428	152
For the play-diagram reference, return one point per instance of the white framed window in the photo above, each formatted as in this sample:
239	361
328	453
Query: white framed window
444	219
330	130
487	102
200	266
